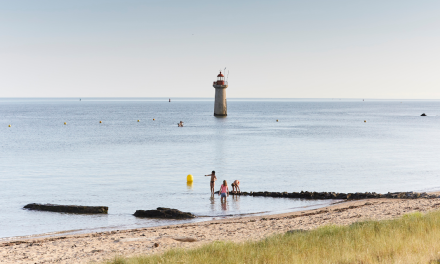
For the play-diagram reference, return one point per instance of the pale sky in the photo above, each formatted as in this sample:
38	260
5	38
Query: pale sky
272	49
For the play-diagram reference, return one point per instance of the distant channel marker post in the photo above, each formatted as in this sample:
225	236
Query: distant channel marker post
220	105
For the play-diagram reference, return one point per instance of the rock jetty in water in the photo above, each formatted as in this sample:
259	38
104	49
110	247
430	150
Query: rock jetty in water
76	209
162	212
348	196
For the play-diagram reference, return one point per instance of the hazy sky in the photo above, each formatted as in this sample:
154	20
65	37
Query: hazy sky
280	49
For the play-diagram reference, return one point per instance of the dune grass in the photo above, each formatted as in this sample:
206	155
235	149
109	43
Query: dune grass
413	238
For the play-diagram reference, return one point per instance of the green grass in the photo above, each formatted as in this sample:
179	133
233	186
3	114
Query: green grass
413	238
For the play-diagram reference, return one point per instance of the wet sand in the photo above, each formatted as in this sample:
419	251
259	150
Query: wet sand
98	247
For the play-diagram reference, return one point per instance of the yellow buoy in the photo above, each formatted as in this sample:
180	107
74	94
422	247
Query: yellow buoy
277	120
138	120
189	178
9	125
154	119
100	122
65	123
365	121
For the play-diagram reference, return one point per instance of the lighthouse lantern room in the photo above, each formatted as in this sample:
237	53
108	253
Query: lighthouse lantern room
220	105
220	79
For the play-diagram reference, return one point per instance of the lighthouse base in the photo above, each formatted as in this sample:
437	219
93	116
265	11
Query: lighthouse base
220	104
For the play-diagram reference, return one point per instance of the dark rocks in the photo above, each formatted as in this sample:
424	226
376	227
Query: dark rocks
423	114
76	209
162	212
341	196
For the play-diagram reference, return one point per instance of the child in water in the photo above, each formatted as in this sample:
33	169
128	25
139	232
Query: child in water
224	190
235	187
213	179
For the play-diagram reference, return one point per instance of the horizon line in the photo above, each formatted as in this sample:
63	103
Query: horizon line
162	97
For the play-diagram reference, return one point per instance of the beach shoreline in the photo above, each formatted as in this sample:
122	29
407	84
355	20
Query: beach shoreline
199	219
101	246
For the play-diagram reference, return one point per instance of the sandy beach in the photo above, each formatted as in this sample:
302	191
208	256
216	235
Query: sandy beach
98	247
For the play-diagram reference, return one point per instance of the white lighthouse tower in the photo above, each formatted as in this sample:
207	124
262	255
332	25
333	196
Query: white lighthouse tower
220	105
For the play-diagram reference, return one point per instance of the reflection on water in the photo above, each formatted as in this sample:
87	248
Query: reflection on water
212	203
235	202
221	157
189	185
235	197
225	206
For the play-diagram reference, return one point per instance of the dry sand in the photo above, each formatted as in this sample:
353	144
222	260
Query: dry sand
97	247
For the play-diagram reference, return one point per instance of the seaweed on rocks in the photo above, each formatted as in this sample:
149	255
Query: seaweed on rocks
162	212
75	209
341	196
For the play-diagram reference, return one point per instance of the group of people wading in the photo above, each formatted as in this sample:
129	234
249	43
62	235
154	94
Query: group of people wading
224	190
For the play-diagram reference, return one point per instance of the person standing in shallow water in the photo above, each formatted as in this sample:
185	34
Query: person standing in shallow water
213	179
224	190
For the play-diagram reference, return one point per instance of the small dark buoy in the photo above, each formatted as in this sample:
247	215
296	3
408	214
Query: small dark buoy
169	100
423	114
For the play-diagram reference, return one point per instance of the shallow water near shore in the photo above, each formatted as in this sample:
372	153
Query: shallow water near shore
317	145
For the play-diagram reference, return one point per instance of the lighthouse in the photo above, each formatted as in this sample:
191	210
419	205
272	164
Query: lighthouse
220	105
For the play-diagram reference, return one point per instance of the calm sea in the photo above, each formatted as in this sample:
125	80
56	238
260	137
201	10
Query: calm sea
317	145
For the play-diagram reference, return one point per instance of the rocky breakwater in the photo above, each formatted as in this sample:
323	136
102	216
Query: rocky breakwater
162	212
76	209
347	196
